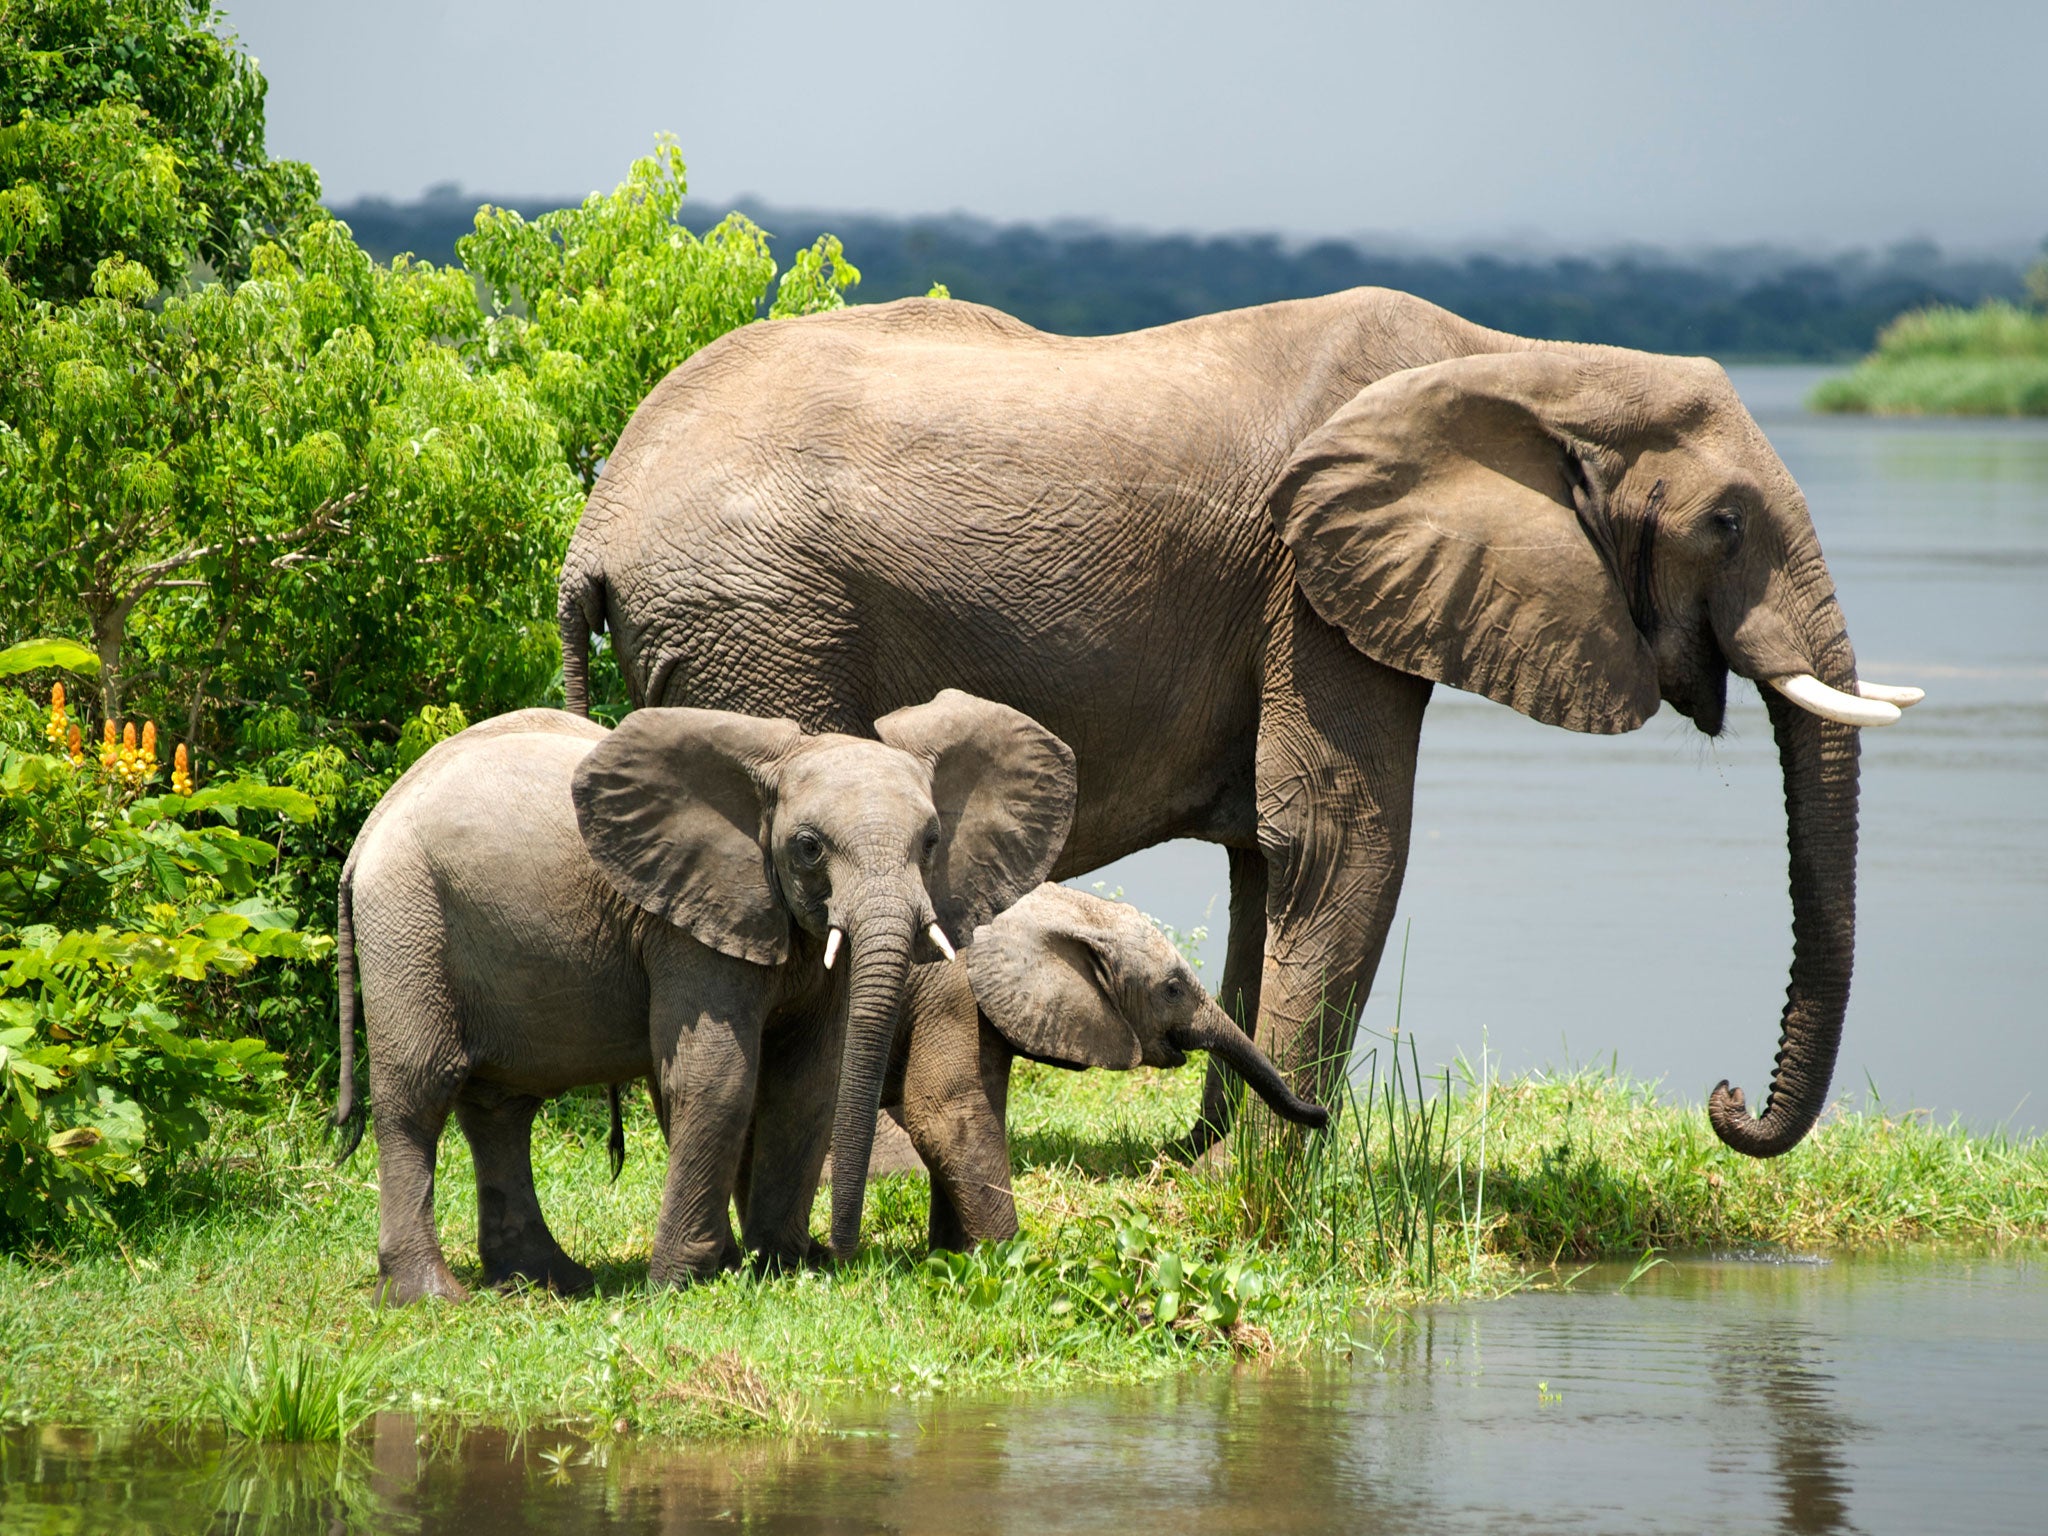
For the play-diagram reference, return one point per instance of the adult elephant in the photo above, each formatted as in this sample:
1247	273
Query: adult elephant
1225	561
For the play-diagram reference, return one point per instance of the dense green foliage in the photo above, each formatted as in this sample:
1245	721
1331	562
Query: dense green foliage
1987	361
1734	304
127	920
133	128
307	508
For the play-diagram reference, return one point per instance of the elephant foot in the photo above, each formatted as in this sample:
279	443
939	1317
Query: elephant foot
769	1262
555	1272
686	1268
403	1287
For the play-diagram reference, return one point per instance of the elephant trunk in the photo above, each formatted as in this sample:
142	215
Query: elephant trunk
1213	1031
1819	759
882	919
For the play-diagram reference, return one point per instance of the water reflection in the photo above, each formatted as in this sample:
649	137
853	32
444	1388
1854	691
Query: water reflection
1782	1371
1863	1396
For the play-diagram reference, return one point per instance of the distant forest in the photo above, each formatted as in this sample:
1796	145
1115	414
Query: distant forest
1750	303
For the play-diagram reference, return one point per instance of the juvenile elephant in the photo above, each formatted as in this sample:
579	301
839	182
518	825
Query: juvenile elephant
1226	561
1064	978
540	903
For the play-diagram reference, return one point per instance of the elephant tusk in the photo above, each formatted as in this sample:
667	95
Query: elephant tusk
939	938
1817	698
832	947
1886	693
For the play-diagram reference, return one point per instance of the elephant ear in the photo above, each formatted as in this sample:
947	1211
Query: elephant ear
1004	788
1451	520
1044	975
672	806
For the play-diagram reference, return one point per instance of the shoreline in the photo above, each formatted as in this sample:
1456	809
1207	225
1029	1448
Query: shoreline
255	1269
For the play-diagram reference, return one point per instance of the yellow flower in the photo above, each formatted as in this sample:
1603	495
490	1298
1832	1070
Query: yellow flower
110	751
59	720
181	772
75	744
145	762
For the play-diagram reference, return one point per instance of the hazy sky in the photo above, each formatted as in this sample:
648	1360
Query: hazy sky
1576	122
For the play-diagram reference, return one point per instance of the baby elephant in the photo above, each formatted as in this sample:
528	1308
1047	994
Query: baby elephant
1067	979
540	903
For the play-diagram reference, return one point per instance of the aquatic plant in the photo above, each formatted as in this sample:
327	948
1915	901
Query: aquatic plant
293	1391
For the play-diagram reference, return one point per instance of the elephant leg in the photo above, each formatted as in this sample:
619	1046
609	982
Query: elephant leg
945	1231
707	1047
512	1237
1244	958
1338	738
792	1131
410	1110
956	1113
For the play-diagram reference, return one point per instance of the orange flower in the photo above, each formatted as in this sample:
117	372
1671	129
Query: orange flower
76	743
181	772
59	720
110	749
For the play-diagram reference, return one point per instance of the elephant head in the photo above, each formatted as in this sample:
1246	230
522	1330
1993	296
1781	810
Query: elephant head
1581	534
739	829
1076	981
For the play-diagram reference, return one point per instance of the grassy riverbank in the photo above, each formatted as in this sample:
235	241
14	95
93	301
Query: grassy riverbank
246	1291
1987	361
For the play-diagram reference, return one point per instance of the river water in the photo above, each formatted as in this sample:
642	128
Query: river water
1865	1395
1573	899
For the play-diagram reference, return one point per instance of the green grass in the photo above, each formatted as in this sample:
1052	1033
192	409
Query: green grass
242	1295
1987	361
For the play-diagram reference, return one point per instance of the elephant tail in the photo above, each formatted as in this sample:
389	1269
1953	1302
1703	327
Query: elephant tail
348	1116
579	614
615	1146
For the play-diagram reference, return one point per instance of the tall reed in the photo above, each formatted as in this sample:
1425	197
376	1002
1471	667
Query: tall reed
1368	1193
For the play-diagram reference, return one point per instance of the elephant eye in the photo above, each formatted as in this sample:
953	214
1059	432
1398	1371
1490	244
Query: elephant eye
1729	523
931	845
1175	991
808	848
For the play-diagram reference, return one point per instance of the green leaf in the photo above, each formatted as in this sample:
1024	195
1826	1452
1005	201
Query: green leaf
32	655
262	915
254	795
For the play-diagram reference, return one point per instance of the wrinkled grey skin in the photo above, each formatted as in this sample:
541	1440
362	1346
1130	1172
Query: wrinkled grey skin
539	903
1225	561
1061	977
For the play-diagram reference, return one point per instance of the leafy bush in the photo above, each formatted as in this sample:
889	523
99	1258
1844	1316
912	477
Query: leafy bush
1138	1275
1132	1276
127	919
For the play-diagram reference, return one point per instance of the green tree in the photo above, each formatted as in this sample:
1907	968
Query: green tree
292	492
598	302
133	127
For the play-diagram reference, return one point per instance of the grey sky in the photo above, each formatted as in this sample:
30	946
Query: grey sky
1573	122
